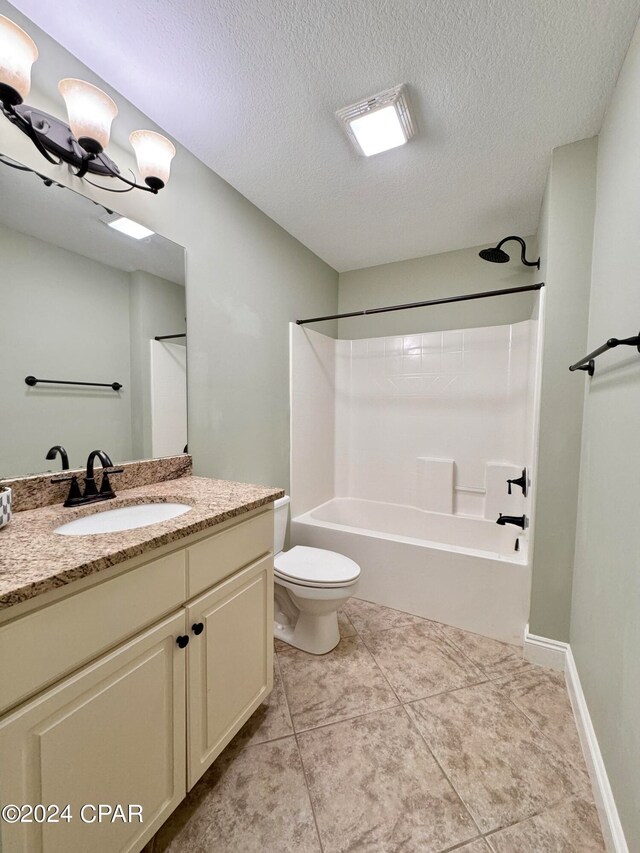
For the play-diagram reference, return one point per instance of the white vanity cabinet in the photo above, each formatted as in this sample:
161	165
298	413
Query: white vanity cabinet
140	721
112	733
227	678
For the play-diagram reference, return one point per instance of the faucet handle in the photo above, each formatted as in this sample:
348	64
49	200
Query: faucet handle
105	485
520	481
75	495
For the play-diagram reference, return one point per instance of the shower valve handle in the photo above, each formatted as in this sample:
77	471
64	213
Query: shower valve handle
520	481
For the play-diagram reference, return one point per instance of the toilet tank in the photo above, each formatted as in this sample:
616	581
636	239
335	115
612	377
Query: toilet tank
281	511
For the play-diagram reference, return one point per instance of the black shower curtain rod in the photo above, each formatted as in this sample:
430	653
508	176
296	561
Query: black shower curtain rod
424	304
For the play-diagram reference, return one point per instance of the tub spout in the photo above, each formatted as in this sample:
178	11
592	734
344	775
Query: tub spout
519	520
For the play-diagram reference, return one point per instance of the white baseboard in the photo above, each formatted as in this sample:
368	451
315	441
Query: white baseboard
545	652
558	656
609	818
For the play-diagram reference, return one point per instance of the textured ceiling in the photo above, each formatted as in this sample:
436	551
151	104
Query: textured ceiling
251	87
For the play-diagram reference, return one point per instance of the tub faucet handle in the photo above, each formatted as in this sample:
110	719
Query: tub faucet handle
519	481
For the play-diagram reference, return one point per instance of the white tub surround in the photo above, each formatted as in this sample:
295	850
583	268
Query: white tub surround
437	421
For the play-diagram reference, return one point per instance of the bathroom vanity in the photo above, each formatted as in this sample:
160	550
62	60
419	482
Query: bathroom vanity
129	660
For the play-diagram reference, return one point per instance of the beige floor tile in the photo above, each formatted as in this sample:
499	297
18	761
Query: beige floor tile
502	766
345	625
509	747
326	688
272	719
570	827
367	617
494	657
542	695
376	787
418	662
478	846
252	800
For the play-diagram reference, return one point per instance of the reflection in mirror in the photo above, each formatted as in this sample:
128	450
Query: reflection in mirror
81	302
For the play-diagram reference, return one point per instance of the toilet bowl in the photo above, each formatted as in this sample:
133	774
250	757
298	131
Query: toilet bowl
310	585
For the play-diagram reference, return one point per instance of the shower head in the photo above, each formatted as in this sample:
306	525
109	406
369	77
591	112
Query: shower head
497	256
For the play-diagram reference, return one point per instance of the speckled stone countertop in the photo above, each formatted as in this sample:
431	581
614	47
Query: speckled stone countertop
34	559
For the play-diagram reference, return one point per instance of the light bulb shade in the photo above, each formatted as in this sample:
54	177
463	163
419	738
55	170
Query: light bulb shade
154	154
90	112
18	52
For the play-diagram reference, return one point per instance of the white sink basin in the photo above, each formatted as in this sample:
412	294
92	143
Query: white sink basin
124	518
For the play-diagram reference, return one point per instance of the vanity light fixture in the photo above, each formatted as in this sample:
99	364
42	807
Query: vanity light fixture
128	227
82	141
380	122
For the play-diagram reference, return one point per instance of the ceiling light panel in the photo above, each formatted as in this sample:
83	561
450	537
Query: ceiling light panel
378	123
129	227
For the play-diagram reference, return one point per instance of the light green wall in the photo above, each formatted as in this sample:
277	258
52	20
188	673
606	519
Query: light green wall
605	615
446	274
246	279
62	316
566	234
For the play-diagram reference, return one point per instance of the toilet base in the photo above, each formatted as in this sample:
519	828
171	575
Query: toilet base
316	633
307	618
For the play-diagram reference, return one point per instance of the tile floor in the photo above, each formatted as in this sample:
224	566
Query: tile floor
409	736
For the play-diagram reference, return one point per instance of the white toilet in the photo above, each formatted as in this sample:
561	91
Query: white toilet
310	585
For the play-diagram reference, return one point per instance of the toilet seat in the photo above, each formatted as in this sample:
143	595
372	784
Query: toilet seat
315	567
285	579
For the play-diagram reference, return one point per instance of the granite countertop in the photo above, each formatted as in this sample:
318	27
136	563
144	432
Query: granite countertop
34	559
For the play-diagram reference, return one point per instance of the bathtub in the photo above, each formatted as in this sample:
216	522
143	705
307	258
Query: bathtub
460	570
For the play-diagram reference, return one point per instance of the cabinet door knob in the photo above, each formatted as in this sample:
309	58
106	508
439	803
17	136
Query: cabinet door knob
182	641
197	627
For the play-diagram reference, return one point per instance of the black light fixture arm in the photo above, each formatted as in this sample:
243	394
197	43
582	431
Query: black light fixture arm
153	186
523	249
24	122
56	143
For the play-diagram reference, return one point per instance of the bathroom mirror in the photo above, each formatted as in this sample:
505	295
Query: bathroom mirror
81	303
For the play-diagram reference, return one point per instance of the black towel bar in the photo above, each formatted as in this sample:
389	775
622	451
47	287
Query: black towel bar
587	363
31	380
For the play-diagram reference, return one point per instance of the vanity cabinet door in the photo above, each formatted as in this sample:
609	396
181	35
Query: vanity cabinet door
113	733
230	661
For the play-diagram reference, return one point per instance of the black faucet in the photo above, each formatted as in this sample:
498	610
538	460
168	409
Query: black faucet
90	489
519	520
91	493
53	452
